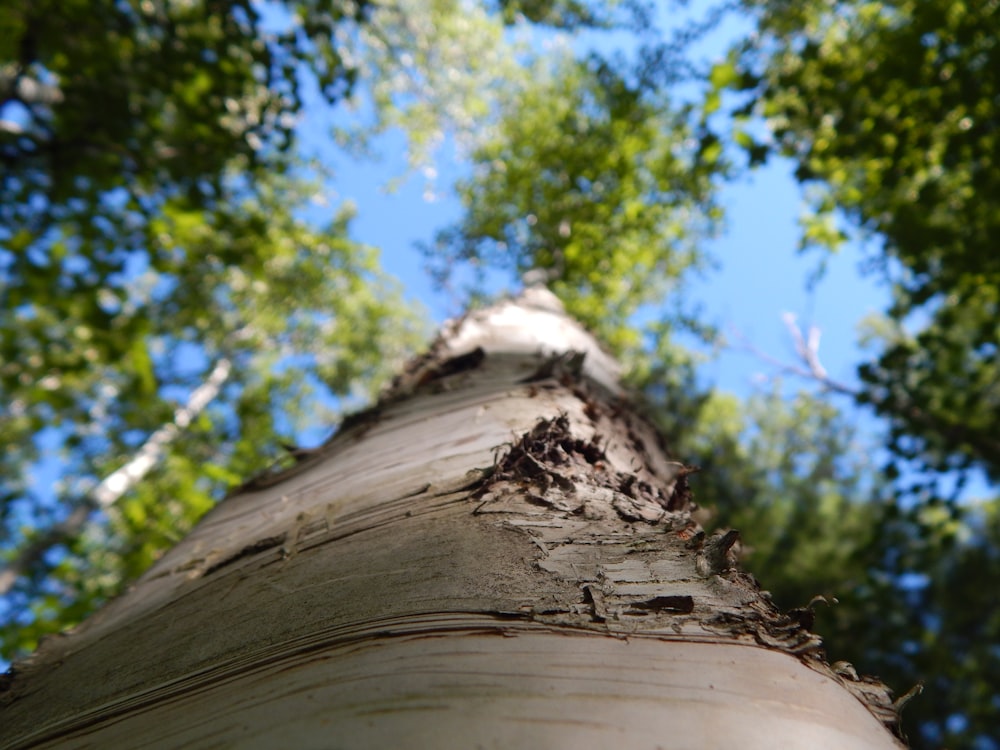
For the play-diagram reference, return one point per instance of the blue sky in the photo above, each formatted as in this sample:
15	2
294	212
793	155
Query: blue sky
759	276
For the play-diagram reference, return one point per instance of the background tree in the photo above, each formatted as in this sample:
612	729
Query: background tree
595	184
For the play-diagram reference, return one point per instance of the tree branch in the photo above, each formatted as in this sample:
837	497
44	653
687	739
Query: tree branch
807	349
983	445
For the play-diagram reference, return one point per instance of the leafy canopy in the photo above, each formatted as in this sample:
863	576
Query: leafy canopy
890	112
156	221
152	230
594	182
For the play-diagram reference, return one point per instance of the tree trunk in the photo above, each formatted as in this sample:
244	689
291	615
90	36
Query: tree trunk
500	554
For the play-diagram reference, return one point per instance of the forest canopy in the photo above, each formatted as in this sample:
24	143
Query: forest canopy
185	300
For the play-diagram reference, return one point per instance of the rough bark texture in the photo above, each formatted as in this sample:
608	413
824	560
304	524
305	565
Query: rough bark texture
500	554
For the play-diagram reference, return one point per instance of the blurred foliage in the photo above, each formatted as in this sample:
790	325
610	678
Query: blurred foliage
152	225
299	310
891	112
442	70
789	474
594	184
908	583
567	14
112	108
932	594
913	581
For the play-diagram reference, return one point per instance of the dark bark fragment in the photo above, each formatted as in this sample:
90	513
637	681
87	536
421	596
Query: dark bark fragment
554	462
461	363
716	554
564	367
679	604
261	545
682	496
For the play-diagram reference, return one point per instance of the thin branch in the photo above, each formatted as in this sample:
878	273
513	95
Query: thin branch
982	444
116	484
807	350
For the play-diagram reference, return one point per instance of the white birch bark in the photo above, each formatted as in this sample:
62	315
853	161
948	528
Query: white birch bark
501	554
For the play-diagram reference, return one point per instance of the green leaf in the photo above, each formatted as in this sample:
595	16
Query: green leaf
724	75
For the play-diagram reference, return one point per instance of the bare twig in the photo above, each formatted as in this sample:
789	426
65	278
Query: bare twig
896	406
807	350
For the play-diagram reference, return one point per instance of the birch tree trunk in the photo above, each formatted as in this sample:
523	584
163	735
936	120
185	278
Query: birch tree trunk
500	554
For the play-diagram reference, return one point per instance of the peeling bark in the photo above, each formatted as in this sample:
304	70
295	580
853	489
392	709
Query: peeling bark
502	487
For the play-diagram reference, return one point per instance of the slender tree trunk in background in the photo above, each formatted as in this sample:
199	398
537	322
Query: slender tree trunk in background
115	485
500	554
